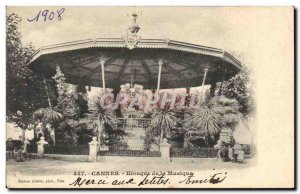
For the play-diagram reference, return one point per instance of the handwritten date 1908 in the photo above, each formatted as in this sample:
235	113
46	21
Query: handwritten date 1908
48	15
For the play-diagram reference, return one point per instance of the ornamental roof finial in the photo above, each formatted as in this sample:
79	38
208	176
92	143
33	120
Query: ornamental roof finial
134	28
134	15
131	38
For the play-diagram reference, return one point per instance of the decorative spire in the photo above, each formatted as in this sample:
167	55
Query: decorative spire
134	15
134	28
131	38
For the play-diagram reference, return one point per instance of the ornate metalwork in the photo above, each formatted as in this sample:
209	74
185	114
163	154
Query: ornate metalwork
131	38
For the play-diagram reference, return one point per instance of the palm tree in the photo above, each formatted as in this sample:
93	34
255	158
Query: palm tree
99	116
164	120
213	114
48	115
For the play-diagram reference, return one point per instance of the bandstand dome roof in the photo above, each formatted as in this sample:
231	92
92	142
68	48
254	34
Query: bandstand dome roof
183	63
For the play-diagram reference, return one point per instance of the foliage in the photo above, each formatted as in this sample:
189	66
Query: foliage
164	123
17	54
44	116
73	107
105	121
163	120
229	110
42	89
240	88
150	138
25	90
66	101
207	118
48	115
82	101
195	138
214	114
98	114
74	132
64	116
99	117
114	137
17	73
176	136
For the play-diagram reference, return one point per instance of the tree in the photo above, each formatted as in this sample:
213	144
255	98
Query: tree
207	118
25	90
162	121
100	117
66	100
114	137
71	106
240	88
214	114
65	111
229	108
48	115
18	90
82	101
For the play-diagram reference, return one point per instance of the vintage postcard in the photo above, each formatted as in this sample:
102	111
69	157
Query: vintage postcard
150	97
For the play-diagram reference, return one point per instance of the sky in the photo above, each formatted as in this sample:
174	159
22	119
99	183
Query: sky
214	27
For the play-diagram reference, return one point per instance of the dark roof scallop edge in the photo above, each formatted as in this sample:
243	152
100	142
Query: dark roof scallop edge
143	43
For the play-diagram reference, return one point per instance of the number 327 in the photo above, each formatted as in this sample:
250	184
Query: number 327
48	15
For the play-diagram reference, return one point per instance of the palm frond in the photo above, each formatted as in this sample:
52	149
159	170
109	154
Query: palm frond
214	114
47	115
53	116
39	114
163	119
99	115
206	119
